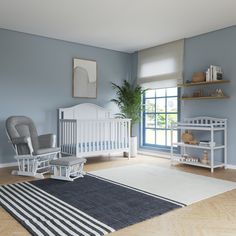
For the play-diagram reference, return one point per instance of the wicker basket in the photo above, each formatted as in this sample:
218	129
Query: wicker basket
198	77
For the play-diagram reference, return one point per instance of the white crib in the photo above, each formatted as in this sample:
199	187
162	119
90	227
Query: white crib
87	130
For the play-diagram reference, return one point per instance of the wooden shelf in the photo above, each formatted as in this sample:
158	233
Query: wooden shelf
206	97
203	83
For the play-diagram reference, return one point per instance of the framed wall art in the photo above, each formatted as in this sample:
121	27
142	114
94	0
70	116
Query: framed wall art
84	78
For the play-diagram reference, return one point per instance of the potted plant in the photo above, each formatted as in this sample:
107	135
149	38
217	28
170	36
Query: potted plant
129	101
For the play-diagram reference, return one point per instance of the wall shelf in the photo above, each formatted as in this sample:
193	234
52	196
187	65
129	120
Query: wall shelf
203	83
205	97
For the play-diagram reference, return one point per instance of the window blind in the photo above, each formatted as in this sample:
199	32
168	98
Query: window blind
161	66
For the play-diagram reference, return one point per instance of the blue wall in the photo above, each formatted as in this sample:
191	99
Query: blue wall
217	48
36	79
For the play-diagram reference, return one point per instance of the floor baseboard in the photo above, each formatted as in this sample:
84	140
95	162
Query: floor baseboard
4	165
233	167
154	154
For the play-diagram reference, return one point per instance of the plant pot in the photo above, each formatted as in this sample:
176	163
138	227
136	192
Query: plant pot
133	147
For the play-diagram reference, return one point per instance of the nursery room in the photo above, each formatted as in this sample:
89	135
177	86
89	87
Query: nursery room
117	117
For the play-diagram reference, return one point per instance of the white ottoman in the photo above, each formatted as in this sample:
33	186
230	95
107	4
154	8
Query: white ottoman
67	168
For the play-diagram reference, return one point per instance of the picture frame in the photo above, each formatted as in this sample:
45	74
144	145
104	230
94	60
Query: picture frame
84	81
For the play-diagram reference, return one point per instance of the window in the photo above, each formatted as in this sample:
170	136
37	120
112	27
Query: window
161	109
160	70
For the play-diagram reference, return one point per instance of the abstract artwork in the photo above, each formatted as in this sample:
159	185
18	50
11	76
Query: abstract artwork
84	78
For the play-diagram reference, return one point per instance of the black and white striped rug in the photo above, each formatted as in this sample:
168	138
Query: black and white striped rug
88	206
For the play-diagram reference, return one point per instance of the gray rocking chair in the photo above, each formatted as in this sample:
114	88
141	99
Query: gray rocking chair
33	152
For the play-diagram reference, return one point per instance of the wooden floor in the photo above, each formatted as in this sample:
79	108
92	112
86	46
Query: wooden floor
215	216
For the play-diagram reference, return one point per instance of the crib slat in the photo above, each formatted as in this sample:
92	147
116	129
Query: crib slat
111	139
104	136
81	141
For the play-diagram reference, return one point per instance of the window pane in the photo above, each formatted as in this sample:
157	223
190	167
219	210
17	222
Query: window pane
160	137
170	119
150	93
171	104
160	103
175	135
150	105
161	121
160	92
150	120
150	136
172	92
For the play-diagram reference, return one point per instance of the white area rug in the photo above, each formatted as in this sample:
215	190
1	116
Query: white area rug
173	184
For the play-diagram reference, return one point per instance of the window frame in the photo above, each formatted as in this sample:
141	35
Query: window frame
143	127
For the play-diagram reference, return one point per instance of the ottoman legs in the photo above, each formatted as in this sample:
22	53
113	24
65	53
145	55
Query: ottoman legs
68	173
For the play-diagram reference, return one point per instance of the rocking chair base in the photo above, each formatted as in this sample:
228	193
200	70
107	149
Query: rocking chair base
24	173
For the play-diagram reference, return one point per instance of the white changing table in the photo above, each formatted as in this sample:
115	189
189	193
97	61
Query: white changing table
207	124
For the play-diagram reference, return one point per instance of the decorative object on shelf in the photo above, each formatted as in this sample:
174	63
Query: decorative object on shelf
205	143
218	93
192	159
204	159
187	158
196	94
198	77
188	138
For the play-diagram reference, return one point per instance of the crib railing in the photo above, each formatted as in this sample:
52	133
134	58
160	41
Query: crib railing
85	138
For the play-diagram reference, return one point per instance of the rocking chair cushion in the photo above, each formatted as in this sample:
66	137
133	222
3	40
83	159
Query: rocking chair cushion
22	126
67	161
20	140
47	141
47	150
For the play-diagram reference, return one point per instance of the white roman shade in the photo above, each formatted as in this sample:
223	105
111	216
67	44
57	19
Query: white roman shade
161	66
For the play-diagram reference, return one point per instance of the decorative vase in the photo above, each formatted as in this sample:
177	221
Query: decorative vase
204	159
133	147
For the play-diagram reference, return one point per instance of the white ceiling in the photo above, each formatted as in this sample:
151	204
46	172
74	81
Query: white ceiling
123	25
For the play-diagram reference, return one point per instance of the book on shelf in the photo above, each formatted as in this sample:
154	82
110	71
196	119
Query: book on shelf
206	143
214	73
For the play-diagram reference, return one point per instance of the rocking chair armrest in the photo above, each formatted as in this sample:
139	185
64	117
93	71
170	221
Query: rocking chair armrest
21	157
20	140
47	140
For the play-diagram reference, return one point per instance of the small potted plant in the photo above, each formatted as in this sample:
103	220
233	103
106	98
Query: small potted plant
129	101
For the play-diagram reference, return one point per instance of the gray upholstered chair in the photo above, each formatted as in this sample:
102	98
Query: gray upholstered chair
33	151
